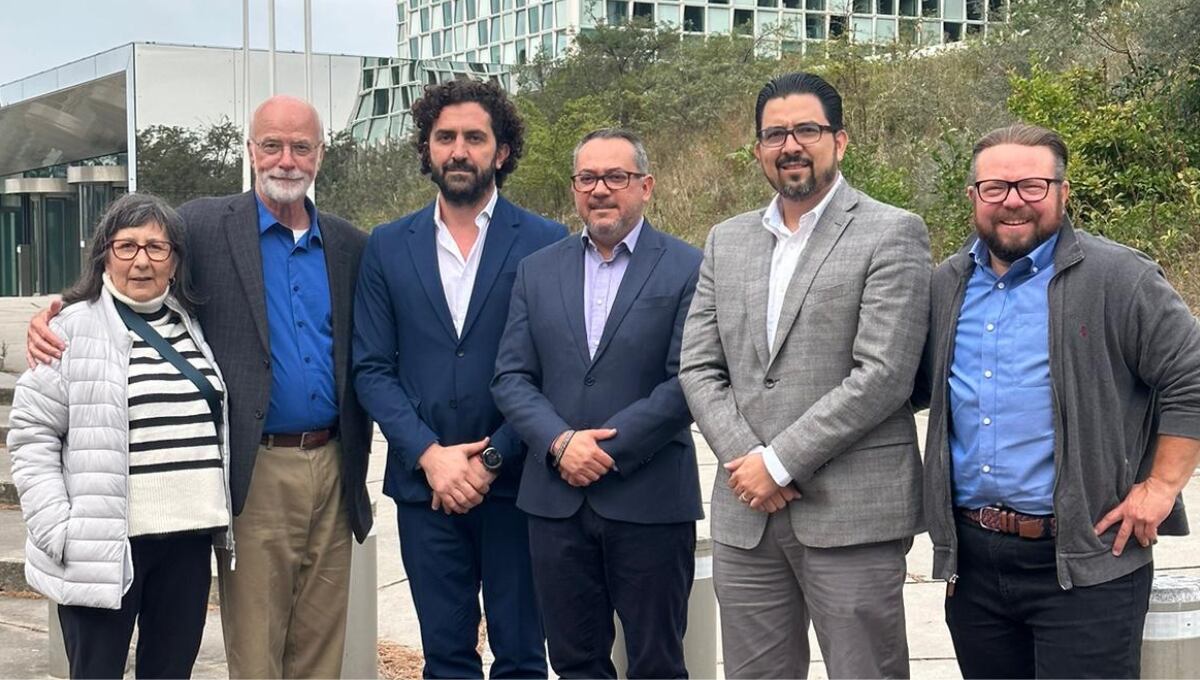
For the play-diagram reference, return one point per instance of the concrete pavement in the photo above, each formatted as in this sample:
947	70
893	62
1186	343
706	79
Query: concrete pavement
23	621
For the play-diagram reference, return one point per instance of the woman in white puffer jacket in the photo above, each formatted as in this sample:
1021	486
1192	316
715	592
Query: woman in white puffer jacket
119	456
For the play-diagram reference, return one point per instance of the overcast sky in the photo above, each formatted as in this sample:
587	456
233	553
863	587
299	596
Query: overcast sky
41	34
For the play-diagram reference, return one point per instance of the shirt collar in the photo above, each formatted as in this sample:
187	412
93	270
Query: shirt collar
630	240
481	220
267	219
773	216
1039	259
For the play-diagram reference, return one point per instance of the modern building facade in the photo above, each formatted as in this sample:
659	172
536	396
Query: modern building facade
68	137
443	39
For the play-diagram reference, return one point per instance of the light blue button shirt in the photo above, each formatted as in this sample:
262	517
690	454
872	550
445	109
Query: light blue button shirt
1001	402
601	281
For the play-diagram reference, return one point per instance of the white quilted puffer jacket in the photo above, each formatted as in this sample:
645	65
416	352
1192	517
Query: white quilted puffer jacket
69	441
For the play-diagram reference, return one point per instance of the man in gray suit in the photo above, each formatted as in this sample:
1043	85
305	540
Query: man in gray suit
798	357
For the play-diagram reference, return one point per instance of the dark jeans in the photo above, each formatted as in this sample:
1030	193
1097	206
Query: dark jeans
1009	618
169	602
586	566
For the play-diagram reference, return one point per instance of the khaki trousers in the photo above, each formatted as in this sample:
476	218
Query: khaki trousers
283	603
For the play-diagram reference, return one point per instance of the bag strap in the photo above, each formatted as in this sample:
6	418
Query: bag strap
138	325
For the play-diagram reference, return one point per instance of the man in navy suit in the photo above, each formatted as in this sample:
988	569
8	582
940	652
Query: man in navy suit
432	299
587	375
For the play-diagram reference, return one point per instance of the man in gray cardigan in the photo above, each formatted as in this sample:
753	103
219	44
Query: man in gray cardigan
1063	374
798	357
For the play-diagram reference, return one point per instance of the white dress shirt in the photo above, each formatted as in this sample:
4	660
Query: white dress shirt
789	246
458	272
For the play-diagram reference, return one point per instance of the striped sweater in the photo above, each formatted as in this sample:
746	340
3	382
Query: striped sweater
176	479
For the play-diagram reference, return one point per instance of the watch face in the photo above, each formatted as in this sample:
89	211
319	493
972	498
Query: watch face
491	458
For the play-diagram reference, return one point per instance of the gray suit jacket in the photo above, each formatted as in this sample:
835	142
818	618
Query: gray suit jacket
225	259
832	396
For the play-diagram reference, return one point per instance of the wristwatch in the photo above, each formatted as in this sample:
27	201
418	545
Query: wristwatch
491	459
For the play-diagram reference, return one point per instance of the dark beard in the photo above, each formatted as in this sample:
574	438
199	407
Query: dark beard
469	194
1011	253
807	188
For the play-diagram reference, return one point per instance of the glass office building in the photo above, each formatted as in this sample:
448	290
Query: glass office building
440	40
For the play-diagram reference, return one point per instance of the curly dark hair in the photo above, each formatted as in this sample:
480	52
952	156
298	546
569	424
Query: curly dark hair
506	123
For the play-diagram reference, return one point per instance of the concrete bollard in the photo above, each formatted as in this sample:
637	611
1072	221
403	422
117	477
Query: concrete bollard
1171	643
360	659
57	653
700	641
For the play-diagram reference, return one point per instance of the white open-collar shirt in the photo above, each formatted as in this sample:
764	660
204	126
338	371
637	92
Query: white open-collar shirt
458	272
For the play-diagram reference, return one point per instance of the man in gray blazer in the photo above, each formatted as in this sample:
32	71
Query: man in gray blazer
798	358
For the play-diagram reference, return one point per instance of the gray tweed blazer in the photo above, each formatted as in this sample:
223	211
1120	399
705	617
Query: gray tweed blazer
831	395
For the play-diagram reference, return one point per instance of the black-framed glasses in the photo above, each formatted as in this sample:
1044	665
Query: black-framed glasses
274	147
804	133
615	180
157	251
1030	189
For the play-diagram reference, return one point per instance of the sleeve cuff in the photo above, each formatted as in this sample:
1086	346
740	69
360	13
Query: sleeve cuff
778	472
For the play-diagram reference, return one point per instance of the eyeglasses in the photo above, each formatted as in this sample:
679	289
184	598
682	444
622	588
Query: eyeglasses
804	133
1030	189
274	147
157	251
616	180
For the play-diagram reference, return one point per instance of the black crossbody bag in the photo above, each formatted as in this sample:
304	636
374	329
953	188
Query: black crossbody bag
146	332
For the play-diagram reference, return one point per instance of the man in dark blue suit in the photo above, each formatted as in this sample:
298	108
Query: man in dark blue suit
587	375
432	299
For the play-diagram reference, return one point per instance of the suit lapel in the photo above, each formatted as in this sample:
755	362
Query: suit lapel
572	294
241	229
646	254
423	251
760	245
340	273
501	235
824	237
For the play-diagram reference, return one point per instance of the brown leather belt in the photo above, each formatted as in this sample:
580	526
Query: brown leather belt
300	440
1007	521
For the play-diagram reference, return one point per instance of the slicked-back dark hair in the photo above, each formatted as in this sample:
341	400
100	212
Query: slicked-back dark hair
801	83
135	210
506	123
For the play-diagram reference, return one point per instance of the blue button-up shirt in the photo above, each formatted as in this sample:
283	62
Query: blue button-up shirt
601	280
1002	414
303	396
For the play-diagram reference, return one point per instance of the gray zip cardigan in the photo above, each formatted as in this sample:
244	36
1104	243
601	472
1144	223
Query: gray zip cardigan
1124	368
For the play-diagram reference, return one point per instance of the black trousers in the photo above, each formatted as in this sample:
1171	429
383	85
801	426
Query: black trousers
169	602
1009	618
586	566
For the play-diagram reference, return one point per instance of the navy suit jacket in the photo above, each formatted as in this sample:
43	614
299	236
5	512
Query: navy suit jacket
417	379
545	382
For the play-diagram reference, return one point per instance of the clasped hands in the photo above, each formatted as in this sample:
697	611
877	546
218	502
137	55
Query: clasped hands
753	485
456	475
583	462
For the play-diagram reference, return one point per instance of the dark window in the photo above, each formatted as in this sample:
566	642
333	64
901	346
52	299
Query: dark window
814	27
929	8
382	102
617	11
643	10
908	8
952	31
862	6
693	18
815	4
768	3
974	10
837	25
792	4
743	21
885	6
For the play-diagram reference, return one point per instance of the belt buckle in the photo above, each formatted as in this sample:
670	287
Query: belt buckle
991	518
304	440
